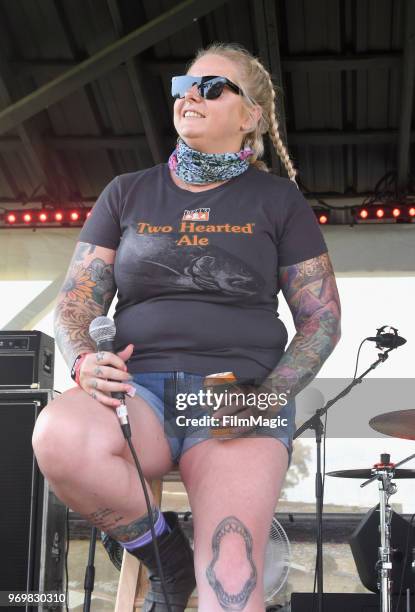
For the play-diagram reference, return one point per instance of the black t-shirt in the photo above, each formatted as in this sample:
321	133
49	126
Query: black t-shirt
197	273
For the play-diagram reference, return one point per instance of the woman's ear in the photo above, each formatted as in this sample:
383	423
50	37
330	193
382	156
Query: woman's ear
254	115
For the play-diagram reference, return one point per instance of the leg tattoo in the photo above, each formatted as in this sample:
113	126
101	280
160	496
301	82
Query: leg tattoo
231	601
104	518
132	531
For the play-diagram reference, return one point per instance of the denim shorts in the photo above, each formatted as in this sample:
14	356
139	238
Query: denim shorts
161	390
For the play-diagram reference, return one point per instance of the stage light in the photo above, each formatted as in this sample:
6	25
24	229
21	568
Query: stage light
396	212
323	219
412	212
363	213
45	217
380	213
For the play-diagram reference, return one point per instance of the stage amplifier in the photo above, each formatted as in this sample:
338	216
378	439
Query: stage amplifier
32	519
344	602
26	360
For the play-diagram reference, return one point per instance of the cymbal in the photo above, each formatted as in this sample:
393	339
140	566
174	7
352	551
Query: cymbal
399	424
365	474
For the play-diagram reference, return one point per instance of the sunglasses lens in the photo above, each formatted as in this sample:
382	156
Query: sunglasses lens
209	89
181	84
213	89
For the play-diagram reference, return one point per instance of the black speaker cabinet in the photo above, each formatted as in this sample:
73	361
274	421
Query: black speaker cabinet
365	542
32	519
26	360
344	602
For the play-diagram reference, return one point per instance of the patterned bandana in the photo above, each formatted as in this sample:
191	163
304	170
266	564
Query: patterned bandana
194	166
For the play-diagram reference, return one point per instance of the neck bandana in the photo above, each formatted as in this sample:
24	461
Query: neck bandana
193	166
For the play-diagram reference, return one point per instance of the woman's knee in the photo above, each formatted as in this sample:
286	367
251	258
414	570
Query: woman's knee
65	433
229	567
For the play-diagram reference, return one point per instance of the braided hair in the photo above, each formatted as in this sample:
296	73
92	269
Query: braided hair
258	88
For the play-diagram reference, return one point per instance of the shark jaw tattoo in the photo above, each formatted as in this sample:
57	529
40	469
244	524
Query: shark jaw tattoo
231	601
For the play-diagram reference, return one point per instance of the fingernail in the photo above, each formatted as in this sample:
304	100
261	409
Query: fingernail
131	391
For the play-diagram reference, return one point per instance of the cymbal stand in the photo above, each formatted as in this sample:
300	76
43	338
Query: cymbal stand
384	473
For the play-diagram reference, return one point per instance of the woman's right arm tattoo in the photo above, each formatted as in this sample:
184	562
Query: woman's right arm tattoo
87	293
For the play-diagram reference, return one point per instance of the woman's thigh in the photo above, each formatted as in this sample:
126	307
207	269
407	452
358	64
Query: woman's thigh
78	426
233	488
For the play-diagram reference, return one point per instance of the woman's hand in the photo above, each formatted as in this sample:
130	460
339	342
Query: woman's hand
103	372
250	403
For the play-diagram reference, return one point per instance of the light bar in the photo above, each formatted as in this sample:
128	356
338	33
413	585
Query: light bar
390	213
45	217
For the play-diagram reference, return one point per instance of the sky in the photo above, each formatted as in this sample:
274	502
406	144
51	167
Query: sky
367	303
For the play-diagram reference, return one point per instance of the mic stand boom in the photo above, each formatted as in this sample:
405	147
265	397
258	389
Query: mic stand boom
316	425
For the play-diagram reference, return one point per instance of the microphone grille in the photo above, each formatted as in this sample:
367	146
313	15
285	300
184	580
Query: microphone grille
102	328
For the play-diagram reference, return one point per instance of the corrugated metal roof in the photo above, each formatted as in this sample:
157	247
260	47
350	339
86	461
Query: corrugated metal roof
347	105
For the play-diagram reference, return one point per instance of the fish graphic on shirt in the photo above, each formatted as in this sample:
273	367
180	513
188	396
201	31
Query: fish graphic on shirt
157	260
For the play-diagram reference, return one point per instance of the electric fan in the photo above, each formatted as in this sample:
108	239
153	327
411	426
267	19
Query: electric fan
277	561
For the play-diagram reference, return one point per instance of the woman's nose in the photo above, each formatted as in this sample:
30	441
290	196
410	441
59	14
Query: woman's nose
192	92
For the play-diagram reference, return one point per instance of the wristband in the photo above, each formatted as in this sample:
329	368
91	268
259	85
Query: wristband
76	366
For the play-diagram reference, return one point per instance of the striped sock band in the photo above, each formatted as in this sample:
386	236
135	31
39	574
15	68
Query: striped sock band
160	526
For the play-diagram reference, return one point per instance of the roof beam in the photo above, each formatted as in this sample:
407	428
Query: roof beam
163	26
315	137
38	308
407	96
330	62
145	106
33	147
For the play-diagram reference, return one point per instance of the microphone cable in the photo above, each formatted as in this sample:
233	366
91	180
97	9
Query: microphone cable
127	435
102	331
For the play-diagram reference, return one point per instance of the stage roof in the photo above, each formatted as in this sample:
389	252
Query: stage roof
85	88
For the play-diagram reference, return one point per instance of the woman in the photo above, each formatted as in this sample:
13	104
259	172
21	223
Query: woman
198	249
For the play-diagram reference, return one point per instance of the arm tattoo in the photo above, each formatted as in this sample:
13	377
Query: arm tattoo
227	530
87	292
311	292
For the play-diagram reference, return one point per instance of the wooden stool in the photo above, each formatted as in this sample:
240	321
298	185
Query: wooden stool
133	584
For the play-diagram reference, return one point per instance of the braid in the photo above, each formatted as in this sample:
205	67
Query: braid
273	128
258	89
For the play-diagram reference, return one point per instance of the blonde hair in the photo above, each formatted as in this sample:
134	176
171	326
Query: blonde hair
258	88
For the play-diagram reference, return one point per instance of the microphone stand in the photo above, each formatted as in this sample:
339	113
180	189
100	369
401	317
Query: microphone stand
316	425
90	571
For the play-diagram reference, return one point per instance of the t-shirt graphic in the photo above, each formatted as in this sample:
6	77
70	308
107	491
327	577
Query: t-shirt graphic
163	267
197	272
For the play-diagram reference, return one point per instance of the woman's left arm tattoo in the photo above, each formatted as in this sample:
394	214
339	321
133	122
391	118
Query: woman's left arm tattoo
311	293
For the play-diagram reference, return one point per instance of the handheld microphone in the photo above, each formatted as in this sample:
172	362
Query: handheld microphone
102	331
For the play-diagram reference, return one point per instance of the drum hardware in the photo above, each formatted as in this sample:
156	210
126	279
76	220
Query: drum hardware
384	472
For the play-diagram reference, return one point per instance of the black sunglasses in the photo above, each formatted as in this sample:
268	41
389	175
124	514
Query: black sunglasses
209	87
